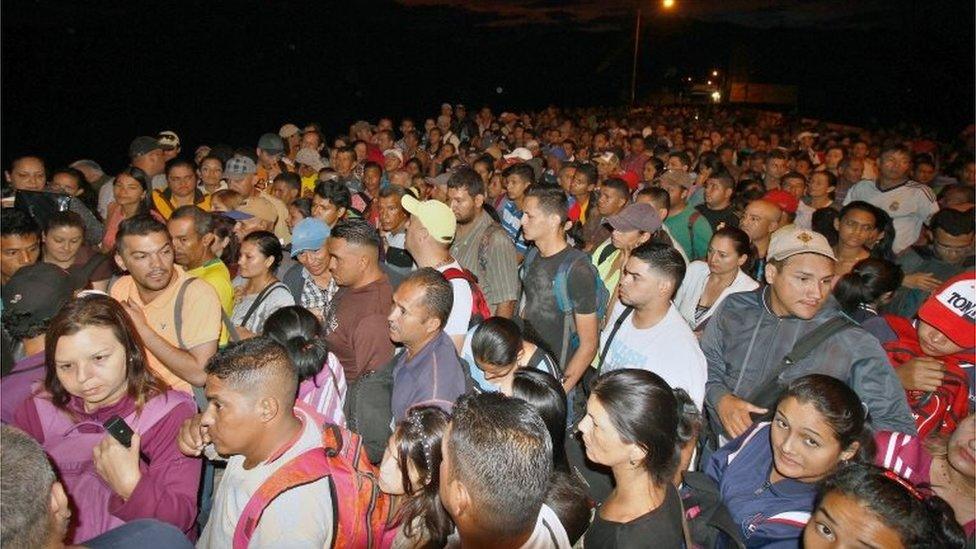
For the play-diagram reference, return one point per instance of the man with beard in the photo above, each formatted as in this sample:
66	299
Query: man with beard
178	342
481	245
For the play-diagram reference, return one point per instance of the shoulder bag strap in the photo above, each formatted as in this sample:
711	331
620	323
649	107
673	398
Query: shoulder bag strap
260	299
811	341
178	312
305	468
613	331
801	349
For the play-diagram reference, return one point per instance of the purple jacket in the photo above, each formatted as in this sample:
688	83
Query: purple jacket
168	488
16	386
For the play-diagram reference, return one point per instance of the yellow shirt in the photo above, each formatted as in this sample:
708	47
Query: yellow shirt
165	207
200	318
308	184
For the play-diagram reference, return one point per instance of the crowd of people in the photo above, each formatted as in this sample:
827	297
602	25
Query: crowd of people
707	327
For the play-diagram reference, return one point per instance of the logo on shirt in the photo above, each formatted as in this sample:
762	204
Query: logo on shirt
894	206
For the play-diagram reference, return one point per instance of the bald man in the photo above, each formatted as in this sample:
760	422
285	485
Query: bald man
760	221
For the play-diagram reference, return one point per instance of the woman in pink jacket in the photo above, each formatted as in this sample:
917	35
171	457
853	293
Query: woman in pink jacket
96	372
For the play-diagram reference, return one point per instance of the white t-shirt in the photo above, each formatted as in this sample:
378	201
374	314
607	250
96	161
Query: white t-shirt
669	349
910	205
804	216
457	322
298	518
548	534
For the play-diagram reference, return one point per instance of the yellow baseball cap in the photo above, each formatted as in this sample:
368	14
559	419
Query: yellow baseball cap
436	217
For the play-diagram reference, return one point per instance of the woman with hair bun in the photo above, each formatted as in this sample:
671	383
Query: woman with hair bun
321	380
257	291
869	286
631	426
867	506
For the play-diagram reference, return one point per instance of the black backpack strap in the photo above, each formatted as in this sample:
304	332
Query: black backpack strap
802	348
260	299
606	253
613	331
766	395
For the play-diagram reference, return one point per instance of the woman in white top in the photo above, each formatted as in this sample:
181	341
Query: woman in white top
707	283
257	293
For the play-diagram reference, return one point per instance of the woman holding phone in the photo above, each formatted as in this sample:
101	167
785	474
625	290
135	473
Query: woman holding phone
96	379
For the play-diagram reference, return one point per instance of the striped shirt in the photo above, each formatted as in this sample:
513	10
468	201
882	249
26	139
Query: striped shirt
490	256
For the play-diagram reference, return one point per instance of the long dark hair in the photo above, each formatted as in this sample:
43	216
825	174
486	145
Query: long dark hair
143	179
297	330
644	410
102	311
418	442
546	396
840	407
496	341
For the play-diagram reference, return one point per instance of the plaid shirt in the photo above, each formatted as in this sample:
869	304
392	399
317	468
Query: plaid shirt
319	301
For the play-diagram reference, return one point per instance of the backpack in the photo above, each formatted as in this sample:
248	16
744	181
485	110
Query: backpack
70	449
361	512
560	287
480	310
940	410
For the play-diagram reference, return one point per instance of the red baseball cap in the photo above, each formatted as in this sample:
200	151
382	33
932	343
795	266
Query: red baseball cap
951	309
785	200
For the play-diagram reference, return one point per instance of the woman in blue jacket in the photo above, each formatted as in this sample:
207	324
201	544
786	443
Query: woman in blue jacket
768	476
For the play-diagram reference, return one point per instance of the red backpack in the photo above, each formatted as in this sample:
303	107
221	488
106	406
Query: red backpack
362	514
940	410
479	305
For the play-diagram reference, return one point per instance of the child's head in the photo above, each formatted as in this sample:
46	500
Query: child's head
411	467
946	318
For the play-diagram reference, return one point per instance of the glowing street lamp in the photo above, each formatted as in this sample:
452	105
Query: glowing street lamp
716	96
665	4
714	73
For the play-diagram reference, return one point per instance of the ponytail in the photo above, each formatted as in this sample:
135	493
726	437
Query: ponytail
299	332
867	282
307	356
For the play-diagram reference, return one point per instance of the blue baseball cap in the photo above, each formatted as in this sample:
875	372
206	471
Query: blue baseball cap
308	234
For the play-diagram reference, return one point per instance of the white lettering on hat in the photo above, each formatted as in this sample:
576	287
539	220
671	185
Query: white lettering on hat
959	298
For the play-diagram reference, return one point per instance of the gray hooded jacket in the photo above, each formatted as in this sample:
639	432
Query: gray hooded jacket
744	342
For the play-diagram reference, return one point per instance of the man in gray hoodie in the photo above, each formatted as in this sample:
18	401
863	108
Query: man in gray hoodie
750	333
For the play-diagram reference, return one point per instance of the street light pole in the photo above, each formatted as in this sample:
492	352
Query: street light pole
633	73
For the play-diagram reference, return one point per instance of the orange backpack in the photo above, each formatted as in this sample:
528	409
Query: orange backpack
362	514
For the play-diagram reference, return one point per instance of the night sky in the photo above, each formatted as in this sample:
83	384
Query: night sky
81	79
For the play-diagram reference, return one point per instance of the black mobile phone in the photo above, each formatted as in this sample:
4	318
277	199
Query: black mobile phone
120	430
